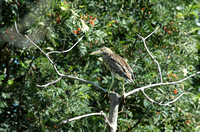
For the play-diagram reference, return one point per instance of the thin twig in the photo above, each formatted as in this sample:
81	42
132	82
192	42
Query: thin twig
153	101
17	29
151	33
79	117
46	85
86	115
86	81
39	48
68	49
143	39
159	84
107	121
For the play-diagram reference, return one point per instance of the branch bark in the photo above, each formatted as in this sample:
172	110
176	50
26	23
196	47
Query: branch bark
113	112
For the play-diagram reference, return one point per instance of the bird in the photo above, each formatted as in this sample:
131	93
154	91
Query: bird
118	67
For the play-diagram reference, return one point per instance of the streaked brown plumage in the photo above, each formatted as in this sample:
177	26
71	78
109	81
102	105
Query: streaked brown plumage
116	64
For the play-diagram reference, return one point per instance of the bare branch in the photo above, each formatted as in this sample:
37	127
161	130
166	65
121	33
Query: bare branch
66	50
46	85
161	81
39	48
175	99
153	101
143	39
107	121
79	117
85	81
159	84
61	75
17	29
76	78
151	33
71	77
86	115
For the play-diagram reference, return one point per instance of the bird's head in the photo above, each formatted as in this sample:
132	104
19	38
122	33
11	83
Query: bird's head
103	50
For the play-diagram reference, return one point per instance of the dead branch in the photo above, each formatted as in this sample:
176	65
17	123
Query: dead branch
159	84
159	103
86	115
60	74
66	50
143	39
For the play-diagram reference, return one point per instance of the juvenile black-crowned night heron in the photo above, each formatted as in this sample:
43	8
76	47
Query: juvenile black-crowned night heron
119	68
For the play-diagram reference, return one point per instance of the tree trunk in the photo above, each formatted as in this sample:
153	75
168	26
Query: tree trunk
113	113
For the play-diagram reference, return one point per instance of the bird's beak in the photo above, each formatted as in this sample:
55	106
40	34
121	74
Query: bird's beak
95	52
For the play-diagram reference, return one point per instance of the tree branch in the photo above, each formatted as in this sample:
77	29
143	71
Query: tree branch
153	101
159	84
151	33
86	115
143	39
46	85
68	49
85	81
61	75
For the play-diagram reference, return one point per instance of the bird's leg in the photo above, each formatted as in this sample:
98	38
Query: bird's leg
123	90
123	87
112	82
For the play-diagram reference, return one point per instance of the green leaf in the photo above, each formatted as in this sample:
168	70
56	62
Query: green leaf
10	82
82	6
3	95
146	103
23	65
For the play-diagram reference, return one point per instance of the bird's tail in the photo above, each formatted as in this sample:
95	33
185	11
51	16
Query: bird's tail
132	79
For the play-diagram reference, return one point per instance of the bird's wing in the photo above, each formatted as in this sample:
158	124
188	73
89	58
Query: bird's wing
119	66
122	62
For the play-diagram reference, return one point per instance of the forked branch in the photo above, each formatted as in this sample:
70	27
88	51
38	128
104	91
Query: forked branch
144	41
60	74
161	80
159	84
159	103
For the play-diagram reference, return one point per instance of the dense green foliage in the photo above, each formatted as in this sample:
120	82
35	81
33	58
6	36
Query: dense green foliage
57	25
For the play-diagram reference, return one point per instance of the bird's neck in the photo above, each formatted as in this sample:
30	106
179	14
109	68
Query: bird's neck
110	54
